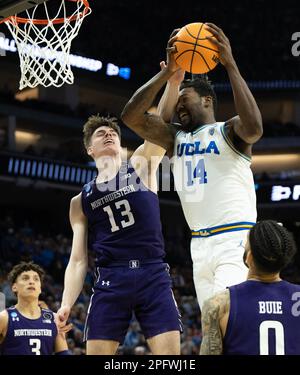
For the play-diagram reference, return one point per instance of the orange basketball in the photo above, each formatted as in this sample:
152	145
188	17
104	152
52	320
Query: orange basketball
194	53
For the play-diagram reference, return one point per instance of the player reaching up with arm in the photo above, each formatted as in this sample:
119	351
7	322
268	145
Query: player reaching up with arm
206	152
117	215
168	101
135	115
247	125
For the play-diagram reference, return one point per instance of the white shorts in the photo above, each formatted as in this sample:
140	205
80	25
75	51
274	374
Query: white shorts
218	263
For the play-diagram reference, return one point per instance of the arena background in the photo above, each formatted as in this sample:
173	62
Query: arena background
44	126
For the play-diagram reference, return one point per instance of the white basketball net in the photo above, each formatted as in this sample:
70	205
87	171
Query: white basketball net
44	50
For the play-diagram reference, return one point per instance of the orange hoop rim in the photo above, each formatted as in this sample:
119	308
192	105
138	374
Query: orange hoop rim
54	21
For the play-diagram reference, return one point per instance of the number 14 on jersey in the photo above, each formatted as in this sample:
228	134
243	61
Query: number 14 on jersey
199	173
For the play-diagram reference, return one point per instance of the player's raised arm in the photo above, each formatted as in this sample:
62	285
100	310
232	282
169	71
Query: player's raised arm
167	104
135	115
78	263
248	124
151	152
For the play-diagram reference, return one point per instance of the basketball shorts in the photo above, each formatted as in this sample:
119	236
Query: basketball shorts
218	263
120	291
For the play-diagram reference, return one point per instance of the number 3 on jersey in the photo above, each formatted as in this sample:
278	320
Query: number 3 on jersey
199	172
36	346
126	212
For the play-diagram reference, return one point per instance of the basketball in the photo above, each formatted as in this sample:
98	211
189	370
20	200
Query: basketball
194	53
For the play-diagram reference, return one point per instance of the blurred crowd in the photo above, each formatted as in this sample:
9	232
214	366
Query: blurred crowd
23	242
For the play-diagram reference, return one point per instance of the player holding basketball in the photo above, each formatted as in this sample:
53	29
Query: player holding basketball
260	315
117	215
26	328
211	163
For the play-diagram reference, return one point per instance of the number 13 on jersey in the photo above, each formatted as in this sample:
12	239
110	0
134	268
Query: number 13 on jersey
199	173
126	212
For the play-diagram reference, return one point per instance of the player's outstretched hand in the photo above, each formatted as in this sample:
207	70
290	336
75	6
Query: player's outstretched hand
222	42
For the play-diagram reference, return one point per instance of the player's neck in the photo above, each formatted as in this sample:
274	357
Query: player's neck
209	118
108	167
204	119
29	308
263	277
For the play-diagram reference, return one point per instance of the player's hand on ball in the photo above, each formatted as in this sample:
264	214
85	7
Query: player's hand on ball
220	40
177	77
171	63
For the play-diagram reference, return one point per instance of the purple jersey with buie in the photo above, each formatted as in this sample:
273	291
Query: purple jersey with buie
264	319
123	219
29	336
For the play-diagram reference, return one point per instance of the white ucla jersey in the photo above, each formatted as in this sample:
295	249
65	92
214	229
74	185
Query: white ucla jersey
213	180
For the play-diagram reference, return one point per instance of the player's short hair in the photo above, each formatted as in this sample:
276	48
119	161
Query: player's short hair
272	246
202	86
24	267
94	122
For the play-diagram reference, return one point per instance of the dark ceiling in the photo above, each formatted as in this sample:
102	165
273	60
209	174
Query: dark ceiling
134	33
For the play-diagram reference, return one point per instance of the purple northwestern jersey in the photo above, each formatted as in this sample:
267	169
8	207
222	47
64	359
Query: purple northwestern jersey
264	319
29	336
123	219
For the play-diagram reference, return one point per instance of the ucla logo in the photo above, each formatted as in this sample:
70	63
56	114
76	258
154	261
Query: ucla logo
190	149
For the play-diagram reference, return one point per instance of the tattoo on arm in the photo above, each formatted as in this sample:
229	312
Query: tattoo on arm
212	312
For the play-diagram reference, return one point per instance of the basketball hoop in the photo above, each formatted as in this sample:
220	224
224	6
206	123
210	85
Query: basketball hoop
44	43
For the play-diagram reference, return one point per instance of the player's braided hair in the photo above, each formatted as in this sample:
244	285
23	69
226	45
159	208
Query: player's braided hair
272	246
202	86
24	267
94	122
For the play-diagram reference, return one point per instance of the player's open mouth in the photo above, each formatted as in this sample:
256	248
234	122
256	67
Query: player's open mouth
109	142
31	288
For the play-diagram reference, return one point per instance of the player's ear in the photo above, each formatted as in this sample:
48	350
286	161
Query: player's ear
90	150
249	258
208	101
14	288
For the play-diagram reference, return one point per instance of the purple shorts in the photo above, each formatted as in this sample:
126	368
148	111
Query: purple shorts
120	291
